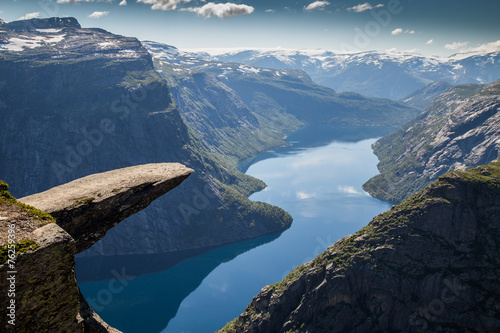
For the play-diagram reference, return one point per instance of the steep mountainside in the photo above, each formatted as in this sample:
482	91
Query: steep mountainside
216	113
275	95
425	95
460	129
430	264
375	74
79	101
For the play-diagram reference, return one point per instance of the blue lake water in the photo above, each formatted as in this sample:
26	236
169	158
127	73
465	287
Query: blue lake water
317	180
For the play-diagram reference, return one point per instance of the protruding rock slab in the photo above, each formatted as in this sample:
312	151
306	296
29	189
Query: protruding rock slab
88	207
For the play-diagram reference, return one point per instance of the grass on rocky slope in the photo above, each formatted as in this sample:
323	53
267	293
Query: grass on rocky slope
9	204
6	197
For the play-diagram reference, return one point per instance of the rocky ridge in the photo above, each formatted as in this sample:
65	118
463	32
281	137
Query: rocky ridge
460	129
429	264
47	298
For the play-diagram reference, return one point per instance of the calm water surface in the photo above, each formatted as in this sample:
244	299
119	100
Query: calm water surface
317	180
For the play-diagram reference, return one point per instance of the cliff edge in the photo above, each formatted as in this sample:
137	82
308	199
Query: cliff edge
37	252
429	264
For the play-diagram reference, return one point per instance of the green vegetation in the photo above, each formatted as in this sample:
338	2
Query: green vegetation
492	89
20	247
6	197
487	174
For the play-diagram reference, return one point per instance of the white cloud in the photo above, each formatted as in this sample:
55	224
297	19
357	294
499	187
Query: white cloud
396	31
412	50
380	5
269	10
430	41
303	195
361	7
163	4
485	48
97	15
123	3
221	10
317	5
456	45
348	189
29	16
399	31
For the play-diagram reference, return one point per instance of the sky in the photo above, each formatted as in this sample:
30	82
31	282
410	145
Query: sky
429	27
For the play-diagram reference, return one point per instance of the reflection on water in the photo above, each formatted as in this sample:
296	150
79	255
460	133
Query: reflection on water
317	180
132	299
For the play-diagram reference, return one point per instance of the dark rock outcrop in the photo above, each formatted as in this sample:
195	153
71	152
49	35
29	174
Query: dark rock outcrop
47	298
48	23
88	207
430	264
459	130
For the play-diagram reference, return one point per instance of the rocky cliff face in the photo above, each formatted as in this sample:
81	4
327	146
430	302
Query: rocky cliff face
458	130
430	264
38	254
76	101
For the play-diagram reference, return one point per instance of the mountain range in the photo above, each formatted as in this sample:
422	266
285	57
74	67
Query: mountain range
387	74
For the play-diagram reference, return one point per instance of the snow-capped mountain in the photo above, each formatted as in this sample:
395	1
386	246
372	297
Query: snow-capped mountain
378	74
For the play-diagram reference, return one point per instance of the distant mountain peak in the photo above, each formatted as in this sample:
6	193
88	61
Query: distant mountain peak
44	23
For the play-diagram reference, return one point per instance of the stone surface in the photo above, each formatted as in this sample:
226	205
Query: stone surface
430	264
87	207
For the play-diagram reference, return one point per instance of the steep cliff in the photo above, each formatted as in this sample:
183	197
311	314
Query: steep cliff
76	101
460	129
37	252
430	264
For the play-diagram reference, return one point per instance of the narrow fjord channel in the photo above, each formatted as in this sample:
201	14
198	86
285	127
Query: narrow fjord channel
317	180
